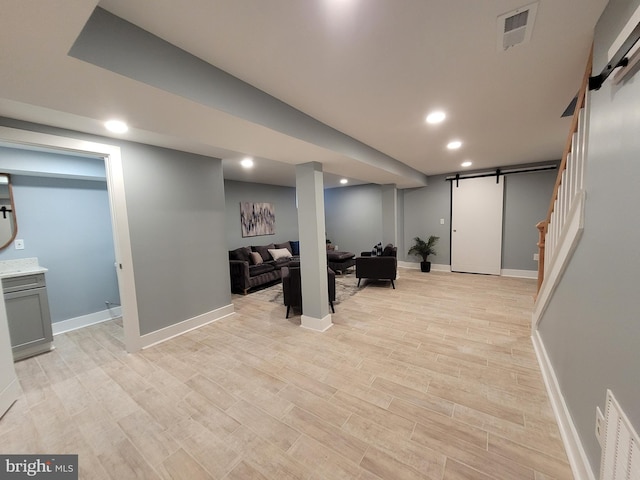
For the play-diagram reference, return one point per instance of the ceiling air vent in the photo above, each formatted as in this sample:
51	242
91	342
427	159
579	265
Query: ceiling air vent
515	27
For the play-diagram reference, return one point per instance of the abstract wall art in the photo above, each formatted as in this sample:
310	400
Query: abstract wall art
257	219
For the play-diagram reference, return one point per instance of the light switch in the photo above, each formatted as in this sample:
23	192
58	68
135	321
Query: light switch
19	244
442	221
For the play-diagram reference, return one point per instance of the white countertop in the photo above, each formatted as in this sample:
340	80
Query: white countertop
20	267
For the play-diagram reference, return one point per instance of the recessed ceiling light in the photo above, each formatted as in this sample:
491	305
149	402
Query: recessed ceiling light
436	117
247	162
467	163
116	126
454	145
344	181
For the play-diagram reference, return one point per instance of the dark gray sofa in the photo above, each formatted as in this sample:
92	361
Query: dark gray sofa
247	273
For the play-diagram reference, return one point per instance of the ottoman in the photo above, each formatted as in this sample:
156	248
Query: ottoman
340	261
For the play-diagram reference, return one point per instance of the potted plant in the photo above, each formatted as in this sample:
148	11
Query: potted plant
424	249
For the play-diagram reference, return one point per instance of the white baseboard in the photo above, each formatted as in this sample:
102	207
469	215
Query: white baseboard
434	266
167	333
437	267
85	320
316	324
506	272
575	451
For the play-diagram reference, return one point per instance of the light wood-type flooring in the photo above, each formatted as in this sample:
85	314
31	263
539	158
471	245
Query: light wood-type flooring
436	379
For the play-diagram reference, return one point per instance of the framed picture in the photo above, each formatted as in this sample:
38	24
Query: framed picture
257	219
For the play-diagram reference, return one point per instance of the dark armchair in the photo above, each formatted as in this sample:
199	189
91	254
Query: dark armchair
292	288
383	267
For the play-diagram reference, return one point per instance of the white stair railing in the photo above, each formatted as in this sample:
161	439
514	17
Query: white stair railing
562	227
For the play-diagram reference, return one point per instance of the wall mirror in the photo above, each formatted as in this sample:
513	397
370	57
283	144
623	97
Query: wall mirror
8	225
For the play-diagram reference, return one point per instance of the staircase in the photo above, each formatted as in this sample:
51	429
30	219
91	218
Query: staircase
561	230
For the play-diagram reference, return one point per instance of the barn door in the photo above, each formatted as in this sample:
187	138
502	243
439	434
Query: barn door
476	226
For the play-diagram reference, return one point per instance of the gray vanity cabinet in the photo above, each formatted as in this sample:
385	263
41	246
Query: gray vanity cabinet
28	315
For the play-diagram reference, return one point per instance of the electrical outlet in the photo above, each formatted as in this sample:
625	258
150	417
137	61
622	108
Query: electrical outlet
599	425
442	221
19	244
536	256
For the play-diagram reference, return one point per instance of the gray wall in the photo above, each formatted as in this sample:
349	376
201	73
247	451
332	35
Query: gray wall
591	329
284	203
176	210
526	201
66	224
354	217
423	209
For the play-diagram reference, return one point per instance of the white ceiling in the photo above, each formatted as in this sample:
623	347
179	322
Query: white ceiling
371	69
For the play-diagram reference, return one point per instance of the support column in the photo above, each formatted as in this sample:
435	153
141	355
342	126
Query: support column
313	249
389	215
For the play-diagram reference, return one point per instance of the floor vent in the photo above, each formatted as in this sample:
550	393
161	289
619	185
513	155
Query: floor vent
515	27
621	448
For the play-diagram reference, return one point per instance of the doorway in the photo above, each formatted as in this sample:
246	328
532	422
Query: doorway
118	211
476	225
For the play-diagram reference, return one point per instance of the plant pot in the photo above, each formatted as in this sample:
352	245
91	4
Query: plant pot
425	266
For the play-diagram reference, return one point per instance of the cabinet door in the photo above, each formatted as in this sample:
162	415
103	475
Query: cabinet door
29	318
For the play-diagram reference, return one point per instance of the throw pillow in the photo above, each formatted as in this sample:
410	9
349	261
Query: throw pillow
286	245
241	254
256	259
263	250
295	247
277	253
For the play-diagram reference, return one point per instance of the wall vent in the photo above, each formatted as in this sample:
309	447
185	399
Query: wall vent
621	449
515	27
